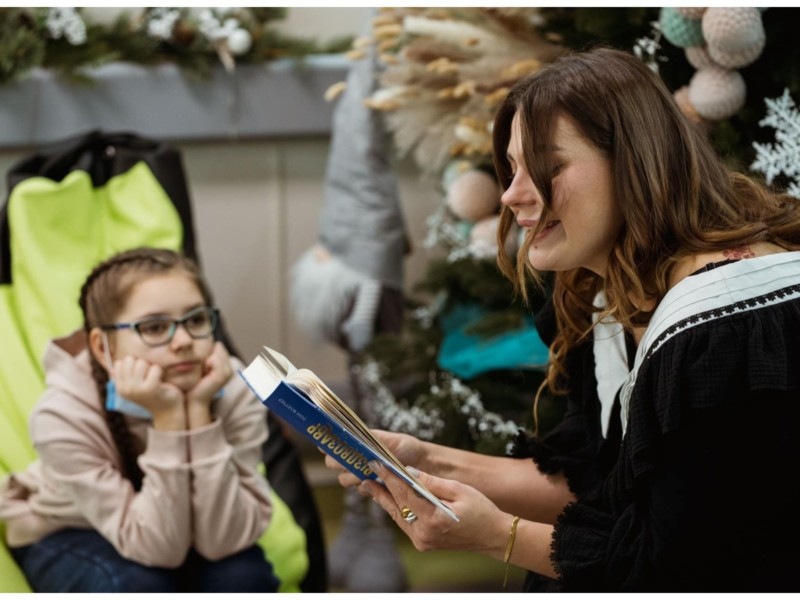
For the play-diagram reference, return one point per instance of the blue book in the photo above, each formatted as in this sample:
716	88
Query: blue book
301	400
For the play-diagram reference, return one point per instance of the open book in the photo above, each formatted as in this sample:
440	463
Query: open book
300	399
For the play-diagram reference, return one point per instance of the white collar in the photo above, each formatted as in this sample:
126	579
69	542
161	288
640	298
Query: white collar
610	361
730	286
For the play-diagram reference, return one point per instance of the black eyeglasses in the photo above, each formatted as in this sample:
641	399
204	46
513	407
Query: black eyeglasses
157	331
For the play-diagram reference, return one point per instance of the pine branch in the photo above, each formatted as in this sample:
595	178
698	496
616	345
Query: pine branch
28	40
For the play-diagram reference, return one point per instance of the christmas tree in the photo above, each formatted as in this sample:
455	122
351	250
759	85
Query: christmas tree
466	369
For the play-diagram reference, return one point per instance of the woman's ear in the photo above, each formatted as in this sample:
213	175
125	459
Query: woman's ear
97	346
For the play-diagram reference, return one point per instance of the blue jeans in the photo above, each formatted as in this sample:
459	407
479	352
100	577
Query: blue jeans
82	560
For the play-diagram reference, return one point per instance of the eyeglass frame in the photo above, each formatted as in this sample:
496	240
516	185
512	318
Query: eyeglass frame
174	324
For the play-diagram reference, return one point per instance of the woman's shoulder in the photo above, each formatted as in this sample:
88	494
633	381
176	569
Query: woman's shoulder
725	353
722	292
730	364
699	262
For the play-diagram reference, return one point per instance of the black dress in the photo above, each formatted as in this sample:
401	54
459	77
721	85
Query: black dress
695	486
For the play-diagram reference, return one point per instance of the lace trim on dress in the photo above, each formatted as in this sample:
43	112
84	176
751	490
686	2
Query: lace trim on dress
787	293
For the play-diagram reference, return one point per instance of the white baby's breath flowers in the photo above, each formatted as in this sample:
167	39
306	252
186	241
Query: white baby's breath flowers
162	23
66	23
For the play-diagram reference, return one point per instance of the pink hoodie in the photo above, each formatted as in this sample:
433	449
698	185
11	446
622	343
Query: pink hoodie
219	503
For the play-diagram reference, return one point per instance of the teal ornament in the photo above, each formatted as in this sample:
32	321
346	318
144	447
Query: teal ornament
464	228
467	356
454	170
679	30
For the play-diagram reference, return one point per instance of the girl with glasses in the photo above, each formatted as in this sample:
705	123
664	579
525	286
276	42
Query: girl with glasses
149	447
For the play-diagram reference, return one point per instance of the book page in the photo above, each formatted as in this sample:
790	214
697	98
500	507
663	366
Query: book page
278	363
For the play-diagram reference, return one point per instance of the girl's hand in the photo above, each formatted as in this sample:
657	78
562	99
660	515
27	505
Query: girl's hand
141	382
216	374
482	527
408	449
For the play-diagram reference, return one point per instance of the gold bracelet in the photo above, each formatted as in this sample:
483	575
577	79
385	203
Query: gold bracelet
512	535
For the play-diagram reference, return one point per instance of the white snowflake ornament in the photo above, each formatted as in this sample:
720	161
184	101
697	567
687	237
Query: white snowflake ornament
782	157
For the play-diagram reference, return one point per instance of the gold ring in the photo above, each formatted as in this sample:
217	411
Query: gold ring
408	515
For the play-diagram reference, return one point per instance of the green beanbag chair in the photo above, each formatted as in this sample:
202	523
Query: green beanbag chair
52	232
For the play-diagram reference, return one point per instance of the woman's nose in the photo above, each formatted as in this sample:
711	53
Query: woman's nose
521	191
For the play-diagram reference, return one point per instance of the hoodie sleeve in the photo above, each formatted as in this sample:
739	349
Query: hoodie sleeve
80	462
230	496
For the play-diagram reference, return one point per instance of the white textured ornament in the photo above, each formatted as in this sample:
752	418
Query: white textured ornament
698	57
483	236
239	41
473	195
682	99
737	60
717	93
691	12
733	29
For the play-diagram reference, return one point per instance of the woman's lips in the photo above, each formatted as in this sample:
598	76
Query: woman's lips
531	224
549	226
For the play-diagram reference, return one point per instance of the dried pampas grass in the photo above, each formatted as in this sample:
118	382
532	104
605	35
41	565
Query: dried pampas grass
445	70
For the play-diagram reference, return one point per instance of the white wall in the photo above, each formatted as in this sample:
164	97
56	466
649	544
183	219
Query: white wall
325	23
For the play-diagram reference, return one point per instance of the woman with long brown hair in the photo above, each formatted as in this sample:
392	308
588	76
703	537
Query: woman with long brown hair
675	335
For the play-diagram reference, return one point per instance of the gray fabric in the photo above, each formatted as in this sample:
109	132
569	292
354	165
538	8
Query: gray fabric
362	223
323	291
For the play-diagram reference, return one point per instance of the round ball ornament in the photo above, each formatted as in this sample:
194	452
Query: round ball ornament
733	29
679	30
239	41
691	12
453	170
698	57
717	93
483	236
473	195
736	60
681	96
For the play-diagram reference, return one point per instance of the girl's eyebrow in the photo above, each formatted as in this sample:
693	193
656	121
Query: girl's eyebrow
161	314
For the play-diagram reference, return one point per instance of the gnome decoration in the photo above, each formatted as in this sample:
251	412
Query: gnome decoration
349	287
